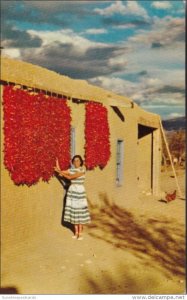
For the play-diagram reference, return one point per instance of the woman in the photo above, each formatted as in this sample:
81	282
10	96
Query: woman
76	208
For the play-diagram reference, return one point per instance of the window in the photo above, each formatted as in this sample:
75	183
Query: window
119	162
73	150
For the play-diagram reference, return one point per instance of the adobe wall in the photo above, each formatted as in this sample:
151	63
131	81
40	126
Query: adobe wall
28	212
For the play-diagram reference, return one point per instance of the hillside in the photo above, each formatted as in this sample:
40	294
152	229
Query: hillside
174	124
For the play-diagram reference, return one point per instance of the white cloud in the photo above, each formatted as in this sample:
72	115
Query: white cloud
131	8
152	92
71	54
160	51
164	32
117	85
66	36
124	26
119	60
164	64
96	31
175	115
154	82
13	53
161	4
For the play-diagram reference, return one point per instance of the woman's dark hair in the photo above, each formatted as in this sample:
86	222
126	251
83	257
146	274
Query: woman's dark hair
77	156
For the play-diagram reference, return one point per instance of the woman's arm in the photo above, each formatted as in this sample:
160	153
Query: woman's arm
65	172
57	167
57	164
59	171
71	176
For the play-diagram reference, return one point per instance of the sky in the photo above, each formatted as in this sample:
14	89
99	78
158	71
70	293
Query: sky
133	48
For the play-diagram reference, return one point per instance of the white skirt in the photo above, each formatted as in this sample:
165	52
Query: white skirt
76	208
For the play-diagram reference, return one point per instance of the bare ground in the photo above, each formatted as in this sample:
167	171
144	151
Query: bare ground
135	249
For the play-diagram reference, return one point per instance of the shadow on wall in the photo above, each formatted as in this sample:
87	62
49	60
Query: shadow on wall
159	243
8	290
65	183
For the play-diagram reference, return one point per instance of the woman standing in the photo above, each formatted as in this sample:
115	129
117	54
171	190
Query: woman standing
76	208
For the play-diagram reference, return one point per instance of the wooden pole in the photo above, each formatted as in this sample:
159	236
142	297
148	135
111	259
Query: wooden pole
176	179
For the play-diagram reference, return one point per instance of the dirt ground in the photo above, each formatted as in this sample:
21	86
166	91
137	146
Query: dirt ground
135	249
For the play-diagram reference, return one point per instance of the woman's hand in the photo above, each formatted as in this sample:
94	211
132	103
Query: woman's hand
57	169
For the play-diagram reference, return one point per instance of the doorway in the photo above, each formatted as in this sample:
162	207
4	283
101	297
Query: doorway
145	158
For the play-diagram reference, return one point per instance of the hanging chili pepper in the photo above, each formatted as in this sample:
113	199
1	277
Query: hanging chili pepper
36	131
97	147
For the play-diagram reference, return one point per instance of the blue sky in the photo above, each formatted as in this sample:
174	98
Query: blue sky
134	48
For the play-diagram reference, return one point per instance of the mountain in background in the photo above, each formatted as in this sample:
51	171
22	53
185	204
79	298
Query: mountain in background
174	124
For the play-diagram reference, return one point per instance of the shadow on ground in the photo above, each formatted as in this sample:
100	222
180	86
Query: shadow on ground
106	283
8	290
127	281
157	242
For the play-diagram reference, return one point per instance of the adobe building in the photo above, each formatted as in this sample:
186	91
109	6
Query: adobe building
134	165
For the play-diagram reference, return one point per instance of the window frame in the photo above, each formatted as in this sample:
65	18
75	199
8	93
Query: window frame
73	142
119	162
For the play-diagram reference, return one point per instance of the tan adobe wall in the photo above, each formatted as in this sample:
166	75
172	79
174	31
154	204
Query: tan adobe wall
31	211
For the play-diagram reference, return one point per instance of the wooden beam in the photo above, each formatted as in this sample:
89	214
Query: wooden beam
169	154
119	113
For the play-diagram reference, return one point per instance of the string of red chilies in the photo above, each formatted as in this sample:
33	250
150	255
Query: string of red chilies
37	131
97	148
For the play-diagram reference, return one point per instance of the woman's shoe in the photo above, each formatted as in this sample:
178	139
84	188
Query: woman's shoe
74	236
80	238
